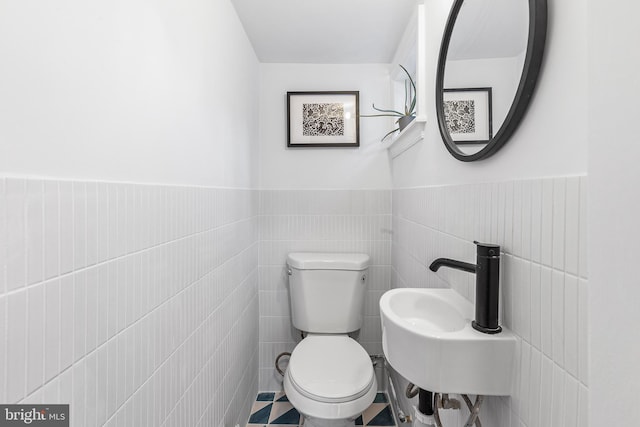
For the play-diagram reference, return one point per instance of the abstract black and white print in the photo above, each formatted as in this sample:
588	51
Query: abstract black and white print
460	116
323	119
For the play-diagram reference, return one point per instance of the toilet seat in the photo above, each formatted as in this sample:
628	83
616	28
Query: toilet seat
330	368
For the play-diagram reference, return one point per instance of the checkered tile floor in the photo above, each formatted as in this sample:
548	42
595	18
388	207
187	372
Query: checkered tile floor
274	409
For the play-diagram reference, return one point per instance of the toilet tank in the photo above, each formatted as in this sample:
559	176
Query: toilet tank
327	291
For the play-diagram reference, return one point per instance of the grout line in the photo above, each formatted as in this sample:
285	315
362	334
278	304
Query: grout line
463	240
128	255
112	339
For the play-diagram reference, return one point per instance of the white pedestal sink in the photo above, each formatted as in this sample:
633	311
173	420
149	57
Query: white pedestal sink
427	337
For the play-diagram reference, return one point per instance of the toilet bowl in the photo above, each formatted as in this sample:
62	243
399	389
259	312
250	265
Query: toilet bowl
330	380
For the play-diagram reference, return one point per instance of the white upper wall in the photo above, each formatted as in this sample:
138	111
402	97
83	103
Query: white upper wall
129	91
614	209
366	167
551	140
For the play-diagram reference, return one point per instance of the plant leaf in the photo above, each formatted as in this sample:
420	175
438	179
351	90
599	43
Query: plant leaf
413	85
393	131
387	111
409	75
381	115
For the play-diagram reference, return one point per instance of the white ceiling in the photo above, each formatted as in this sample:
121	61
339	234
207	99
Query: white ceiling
325	31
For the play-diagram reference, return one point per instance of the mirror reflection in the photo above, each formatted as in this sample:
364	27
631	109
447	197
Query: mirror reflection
484	65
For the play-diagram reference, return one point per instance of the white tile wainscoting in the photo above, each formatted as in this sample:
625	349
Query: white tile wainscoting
324	221
541	227
136	304
168	304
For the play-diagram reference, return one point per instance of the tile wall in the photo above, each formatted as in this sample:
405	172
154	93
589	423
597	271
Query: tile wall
318	220
136	304
541	226
141	303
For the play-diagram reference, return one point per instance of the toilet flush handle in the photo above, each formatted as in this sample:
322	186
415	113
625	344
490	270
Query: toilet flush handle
289	272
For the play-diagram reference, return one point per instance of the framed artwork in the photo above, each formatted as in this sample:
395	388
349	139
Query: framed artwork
323	119
467	113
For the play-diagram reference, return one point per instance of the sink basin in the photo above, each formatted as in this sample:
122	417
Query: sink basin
428	339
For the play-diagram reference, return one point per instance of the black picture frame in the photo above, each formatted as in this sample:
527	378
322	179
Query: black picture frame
323	119
477	130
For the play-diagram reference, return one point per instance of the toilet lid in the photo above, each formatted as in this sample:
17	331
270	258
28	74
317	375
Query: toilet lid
329	368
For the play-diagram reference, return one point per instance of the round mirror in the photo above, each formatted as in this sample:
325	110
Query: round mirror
489	62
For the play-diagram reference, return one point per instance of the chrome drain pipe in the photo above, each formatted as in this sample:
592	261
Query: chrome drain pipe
280	356
393	397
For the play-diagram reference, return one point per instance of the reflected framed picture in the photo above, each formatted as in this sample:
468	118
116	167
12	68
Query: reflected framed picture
323	119
468	115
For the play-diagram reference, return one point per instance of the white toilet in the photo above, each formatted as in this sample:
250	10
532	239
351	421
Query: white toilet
330	378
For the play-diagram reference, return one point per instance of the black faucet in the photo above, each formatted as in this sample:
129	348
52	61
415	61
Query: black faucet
487	270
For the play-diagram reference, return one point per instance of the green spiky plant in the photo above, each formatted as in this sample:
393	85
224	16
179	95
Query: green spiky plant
409	104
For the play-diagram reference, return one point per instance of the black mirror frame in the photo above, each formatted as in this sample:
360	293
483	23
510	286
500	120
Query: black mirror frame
530	71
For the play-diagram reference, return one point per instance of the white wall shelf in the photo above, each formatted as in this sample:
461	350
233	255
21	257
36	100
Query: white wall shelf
410	136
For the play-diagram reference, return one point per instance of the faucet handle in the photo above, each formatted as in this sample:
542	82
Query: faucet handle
487	249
